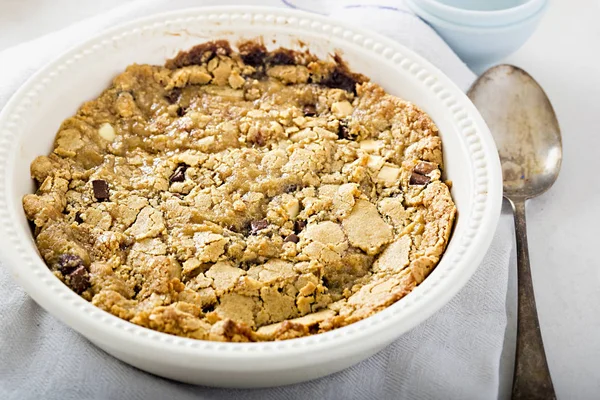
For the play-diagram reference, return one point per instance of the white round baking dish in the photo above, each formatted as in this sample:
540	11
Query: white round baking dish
30	120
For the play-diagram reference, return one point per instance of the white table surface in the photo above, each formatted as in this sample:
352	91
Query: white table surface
563	55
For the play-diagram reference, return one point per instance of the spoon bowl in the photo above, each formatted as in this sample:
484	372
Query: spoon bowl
524	127
527	135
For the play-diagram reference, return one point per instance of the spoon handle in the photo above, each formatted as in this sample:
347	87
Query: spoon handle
532	377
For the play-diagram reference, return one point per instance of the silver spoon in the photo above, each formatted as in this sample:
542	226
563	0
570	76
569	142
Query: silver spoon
527	134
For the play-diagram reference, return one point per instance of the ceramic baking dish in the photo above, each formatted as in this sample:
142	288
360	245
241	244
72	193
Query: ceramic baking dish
30	121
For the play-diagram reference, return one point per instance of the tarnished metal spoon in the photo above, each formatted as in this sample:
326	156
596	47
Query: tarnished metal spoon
527	134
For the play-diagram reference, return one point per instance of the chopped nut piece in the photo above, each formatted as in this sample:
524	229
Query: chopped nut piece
389	174
107	132
375	162
292	208
342	109
371	146
206	142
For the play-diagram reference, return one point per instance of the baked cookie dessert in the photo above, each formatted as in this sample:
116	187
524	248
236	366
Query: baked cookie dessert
244	195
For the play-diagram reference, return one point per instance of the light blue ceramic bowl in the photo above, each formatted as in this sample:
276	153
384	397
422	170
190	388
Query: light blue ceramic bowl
482	36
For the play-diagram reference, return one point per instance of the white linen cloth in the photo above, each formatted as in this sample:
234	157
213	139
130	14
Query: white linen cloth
453	355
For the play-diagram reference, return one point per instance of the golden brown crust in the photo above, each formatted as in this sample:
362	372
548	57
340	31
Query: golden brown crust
242	196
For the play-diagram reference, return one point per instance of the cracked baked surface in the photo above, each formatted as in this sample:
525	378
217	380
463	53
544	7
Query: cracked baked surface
242	196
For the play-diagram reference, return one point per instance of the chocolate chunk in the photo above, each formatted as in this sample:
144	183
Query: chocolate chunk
338	79
310	110
418	179
314	329
180	111
173	95
68	263
75	273
79	280
299	225
78	218
343	130
257	138
282	57
424	167
259	225
292	238
291	188
100	187
179	174
253	54
199	54
208	308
